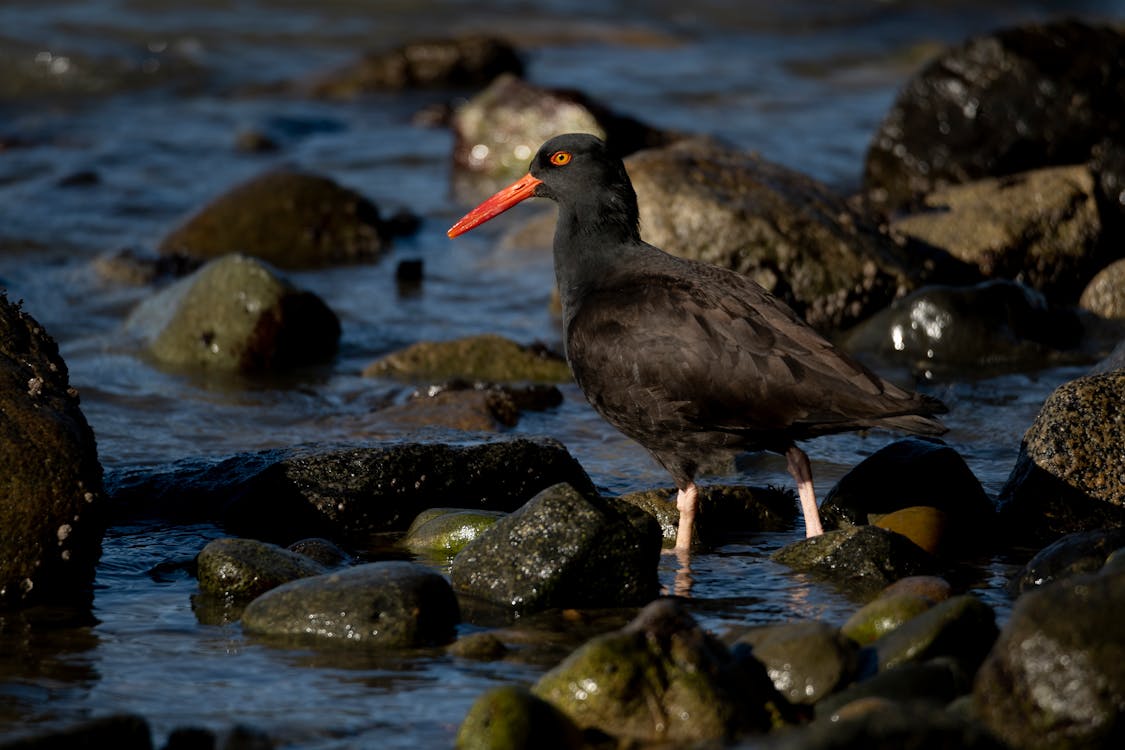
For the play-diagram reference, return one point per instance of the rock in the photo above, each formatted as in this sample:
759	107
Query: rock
962	628
1041	227
881	724
993	325
1105	294
53	512
661	678
446	531
934	683
478	646
861	560
925	526
390	604
908	473
806	660
469	410
724	509
498	131
235	314
901	601
564	548
289	219
459	62
1055	677
347	492
999	104
323	551
245	568
119	731
486	357
135	267
512	718
786	231
1070	473
1074	554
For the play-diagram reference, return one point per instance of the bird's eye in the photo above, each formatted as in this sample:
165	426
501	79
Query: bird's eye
560	158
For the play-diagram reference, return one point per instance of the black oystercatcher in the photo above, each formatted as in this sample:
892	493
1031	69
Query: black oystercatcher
684	357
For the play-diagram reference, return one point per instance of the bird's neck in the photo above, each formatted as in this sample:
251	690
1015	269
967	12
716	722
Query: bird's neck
592	245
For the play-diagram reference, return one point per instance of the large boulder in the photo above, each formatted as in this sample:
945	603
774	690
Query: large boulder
1070	472
52	504
1000	104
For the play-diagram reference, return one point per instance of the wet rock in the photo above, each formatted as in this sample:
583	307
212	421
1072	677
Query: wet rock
478	646
1069	475
322	551
661	678
1056	677
135	267
909	473
459	62
1105	294
789	233
962	628
512	718
498	131
486	357
245	568
255	142
806	660
1040	227
724	509
390	604
1074	554
999	104
903	600
235	314
476	410
119	731
890	724
861	560
925	526
347	492
53	508
446	531
564	548
289	219
993	325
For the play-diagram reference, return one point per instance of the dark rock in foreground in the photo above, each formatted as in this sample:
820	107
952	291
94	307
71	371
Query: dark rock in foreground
511	718
347	492
563	548
1074	554
52	512
1070	473
119	731
806	660
1056	677
391	604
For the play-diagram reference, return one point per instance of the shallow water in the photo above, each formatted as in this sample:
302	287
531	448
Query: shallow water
152	94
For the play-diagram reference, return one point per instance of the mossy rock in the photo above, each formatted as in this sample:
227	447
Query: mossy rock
488	358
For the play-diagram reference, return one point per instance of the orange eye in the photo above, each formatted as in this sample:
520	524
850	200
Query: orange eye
560	158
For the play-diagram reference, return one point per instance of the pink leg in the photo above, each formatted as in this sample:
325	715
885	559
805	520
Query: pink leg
687	502
801	470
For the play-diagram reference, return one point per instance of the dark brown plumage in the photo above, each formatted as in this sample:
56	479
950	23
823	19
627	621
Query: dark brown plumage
684	357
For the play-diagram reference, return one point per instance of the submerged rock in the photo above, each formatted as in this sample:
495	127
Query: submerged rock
661	678
1040	227
513	718
994	325
1070	473
235	314
999	104
53	511
289	219
1056	677
245	568
564	548
390	604
786	231
860	560
486	357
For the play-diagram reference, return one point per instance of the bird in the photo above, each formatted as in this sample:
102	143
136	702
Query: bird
687	358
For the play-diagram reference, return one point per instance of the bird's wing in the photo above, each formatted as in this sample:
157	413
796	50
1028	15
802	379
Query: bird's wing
720	353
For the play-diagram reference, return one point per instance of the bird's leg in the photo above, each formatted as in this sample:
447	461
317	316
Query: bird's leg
801	470
687	502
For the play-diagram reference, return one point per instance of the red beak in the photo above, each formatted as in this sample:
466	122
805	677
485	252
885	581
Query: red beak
520	190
